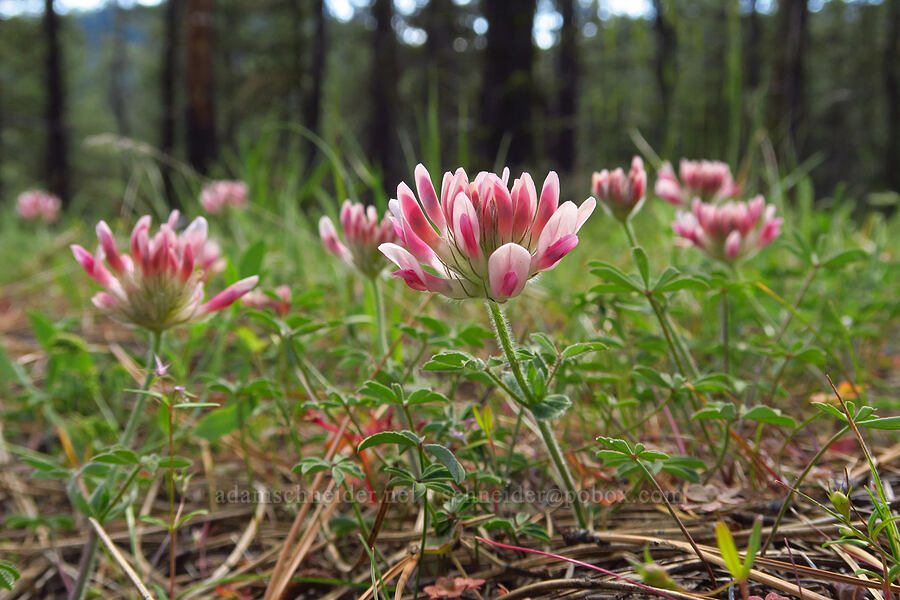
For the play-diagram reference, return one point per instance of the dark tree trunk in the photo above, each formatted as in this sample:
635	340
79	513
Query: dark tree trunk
892	90
201	117
167	95
508	87
383	143
566	100
666	72
2	124
118	69
754	38
312	110
787	86
440	24
57	156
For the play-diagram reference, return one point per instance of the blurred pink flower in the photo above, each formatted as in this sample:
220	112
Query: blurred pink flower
480	239
709	180
36	205
218	195
278	300
731	231
160	284
363	233
621	194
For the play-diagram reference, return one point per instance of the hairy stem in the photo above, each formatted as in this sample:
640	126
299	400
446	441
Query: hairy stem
553	448
380	325
138	410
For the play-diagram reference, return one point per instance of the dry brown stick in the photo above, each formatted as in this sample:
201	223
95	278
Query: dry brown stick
278	581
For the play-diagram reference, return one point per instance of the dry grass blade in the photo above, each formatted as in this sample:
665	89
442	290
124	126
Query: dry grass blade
279	580
401	569
120	560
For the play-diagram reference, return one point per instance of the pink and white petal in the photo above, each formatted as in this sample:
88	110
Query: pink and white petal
732	246
415	218
104	301
505	211
562	223
330	240
229	295
108	243
466	227
508	270
547	204
429	197
402	258
524	198
584	211
140	238
554	253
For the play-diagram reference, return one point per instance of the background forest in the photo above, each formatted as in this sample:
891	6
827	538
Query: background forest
563	84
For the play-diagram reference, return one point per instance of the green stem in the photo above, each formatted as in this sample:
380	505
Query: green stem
723	307
506	343
89	554
138	410
560	461
512	443
709	571
422	547
134	473
381	328
796	486
546	432
171	494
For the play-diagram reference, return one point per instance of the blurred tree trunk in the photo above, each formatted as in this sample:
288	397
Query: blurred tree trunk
118	67
312	110
752	54
892	89
439	19
201	118
508	87
57	156
167	95
383	144
2	118
567	96
666	71
789	78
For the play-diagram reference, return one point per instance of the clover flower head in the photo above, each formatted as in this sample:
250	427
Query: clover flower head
218	195
709	180
731	231
481	238
160	284
363	233
38	205
621	194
